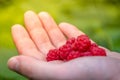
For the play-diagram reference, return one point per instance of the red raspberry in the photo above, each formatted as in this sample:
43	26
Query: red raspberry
88	53
75	48
96	51
70	41
64	51
94	45
82	43
53	55
73	55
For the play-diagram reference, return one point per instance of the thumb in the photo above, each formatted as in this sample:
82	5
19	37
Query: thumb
32	68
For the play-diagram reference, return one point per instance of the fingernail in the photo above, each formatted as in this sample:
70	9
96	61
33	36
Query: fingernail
13	64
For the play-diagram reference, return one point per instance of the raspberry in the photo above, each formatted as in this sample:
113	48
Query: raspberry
53	55
74	48
64	51
73	55
88	53
96	51
70	41
94	45
82	43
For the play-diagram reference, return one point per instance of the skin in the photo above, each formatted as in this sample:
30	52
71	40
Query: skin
41	34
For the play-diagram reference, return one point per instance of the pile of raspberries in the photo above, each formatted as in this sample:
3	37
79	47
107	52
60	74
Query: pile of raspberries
74	48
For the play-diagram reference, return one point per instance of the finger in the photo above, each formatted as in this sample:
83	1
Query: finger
70	30
115	55
32	68
51	27
111	54
37	32
23	42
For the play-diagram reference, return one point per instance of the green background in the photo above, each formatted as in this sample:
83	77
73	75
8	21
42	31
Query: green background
100	19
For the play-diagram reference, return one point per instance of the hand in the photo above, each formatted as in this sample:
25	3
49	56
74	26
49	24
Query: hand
41	35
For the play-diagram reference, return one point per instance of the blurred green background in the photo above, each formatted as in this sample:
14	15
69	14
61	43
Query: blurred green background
100	19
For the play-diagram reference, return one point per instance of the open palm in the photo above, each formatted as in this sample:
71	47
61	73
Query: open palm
41	35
